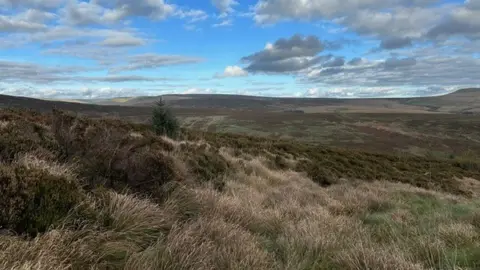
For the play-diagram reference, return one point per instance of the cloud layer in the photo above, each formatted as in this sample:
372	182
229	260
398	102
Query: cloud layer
362	46
419	19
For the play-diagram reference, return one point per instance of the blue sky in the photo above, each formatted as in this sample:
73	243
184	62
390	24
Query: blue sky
311	48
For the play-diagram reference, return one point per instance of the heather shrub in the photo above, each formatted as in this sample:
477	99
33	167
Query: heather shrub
33	199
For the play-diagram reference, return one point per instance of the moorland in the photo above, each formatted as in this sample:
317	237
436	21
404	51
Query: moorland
249	183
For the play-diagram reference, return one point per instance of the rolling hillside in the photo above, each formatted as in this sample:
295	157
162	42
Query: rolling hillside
465	100
461	101
419	126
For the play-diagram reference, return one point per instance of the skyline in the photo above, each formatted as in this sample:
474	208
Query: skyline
70	49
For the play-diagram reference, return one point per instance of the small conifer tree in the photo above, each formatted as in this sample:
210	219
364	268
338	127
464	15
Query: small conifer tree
163	120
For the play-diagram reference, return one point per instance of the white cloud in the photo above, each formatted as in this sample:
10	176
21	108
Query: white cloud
35	15
224	6
48	4
84	13
106	92
232	71
224	23
194	15
379	18
120	9
123	40
105	11
152	61
198	91
30	20
312	92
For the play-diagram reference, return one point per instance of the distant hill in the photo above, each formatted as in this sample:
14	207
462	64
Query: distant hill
79	107
461	101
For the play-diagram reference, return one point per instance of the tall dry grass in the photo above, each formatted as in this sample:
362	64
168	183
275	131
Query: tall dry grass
262	219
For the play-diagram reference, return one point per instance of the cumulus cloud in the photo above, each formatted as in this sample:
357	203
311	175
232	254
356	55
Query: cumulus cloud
462	21
31	20
232	71
400	19
120	9
224	6
9	24
286	55
395	43
275	10
399	22
106	12
83	13
414	72
35	15
42	4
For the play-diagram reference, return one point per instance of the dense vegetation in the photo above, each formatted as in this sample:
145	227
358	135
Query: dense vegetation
80	193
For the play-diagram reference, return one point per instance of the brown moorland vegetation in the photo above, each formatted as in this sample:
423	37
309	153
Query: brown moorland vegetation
80	193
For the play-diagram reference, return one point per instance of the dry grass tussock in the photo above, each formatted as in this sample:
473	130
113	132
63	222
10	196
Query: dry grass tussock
33	161
261	217
3	124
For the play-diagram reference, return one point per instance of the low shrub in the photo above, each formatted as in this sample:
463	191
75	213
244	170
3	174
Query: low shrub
207	165
111	158
32	200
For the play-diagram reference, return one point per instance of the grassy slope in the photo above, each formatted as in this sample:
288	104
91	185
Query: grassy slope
107	194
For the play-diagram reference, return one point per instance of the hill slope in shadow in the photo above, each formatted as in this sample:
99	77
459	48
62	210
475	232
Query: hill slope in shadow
465	100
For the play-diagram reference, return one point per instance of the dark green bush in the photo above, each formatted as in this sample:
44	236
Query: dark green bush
163	121
31	200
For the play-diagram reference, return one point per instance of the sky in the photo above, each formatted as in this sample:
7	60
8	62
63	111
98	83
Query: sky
90	49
